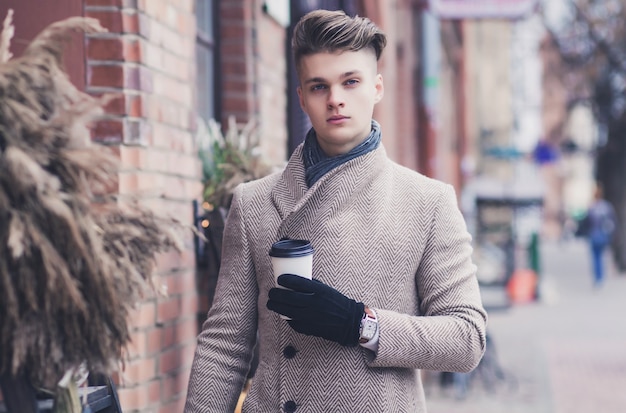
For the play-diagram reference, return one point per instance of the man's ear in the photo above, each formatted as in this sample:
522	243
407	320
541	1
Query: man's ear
380	88
300	98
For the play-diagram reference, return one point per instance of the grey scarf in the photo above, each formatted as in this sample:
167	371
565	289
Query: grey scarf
317	163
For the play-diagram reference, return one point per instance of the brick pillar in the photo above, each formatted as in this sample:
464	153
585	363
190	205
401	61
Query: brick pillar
147	60
237	53
253	71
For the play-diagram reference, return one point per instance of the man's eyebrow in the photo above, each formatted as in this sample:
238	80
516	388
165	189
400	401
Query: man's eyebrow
343	76
315	80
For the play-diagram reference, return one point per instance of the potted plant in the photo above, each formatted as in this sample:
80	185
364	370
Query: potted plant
228	159
75	258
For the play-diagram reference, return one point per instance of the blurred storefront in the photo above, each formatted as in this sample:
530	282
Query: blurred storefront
481	9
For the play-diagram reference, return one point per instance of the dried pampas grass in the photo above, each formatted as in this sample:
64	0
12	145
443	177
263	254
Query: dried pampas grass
74	259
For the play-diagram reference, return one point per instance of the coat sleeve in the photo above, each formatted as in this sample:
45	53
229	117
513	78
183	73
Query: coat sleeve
225	345
449	333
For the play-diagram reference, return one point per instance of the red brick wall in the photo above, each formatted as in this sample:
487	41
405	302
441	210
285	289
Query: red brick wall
147	60
272	86
397	112
405	99
254	73
31	16
237	50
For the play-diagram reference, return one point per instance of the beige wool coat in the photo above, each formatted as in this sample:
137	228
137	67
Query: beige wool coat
383	235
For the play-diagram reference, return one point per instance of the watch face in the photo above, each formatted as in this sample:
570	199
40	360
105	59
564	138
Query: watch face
369	329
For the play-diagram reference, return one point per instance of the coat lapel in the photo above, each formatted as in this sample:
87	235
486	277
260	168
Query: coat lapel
290	193
291	186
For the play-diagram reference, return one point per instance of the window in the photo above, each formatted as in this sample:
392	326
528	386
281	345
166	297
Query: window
206	58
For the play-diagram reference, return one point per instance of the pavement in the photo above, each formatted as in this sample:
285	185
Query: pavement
563	353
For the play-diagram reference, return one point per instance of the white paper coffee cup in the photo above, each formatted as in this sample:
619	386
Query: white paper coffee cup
292	256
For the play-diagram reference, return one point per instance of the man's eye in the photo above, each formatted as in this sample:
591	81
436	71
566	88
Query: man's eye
351	82
315	88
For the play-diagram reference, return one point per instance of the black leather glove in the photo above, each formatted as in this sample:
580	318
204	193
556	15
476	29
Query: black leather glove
317	309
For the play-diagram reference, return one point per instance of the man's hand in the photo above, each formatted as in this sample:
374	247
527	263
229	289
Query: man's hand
317	309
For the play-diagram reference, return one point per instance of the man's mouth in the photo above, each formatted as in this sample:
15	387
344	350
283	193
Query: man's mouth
337	118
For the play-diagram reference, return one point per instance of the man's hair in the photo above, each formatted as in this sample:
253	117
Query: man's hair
333	31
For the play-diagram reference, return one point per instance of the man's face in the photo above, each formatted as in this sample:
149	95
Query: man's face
338	91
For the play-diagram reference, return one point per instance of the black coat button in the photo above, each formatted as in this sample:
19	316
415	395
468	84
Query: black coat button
289	352
290	406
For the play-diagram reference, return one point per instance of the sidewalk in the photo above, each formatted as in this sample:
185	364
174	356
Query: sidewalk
563	354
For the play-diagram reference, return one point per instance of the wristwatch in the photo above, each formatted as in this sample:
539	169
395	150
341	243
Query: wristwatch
369	326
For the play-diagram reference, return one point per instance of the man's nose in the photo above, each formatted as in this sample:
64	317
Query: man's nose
336	98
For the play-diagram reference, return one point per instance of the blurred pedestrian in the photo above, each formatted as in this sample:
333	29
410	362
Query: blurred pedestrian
394	288
598	227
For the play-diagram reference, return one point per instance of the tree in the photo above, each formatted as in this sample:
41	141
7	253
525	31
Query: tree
590	38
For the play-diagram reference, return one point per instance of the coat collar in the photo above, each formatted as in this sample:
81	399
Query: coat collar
290	193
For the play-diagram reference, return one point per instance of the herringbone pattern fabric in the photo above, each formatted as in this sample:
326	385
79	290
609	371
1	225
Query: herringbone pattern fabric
382	234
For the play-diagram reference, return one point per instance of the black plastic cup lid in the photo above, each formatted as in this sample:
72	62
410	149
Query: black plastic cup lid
291	248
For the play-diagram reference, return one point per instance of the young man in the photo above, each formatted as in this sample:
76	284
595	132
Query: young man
394	287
